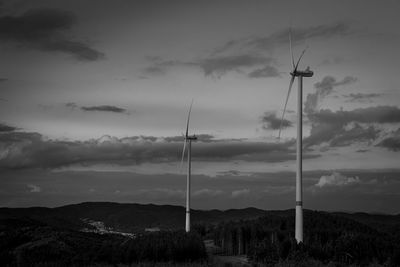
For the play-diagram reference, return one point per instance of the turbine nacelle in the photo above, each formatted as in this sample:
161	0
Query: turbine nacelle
191	137
303	73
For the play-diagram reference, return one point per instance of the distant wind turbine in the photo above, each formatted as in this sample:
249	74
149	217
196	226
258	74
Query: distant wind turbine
299	187
188	140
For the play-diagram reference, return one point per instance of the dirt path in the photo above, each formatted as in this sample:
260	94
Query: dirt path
216	256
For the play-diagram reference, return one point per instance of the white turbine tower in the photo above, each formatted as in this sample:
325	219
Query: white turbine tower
299	187
188	140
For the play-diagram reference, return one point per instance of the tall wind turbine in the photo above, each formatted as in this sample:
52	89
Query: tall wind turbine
188	140
299	187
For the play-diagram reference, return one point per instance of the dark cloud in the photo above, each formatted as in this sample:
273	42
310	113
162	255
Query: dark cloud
266	72
379	114
359	97
281	37
355	134
391	143
270	121
330	127
249	151
323	89
200	138
7	128
30	150
3	79
219	66
105	108
328	82
45	30
155	70
160	67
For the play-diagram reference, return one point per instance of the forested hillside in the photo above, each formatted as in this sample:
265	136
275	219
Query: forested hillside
63	236
327	238
26	242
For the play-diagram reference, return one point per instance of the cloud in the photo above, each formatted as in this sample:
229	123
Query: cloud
34	188
323	89
22	150
392	142
205	192
337	179
328	126
154	70
243	55
328	82
281	37
232	173
7	128
379	114
200	138
359	97
240	192
266	72
217	66
71	105
270	121
105	108
355	134
160	66
45	30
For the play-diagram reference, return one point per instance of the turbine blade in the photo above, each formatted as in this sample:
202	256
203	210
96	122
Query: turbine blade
290	44
183	155
284	109
298	61
188	118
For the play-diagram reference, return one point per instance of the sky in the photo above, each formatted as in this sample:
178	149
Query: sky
94	97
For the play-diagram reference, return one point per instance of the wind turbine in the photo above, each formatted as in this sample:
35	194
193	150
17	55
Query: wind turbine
299	187
188	140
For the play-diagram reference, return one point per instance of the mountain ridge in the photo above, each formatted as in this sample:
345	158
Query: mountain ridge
135	217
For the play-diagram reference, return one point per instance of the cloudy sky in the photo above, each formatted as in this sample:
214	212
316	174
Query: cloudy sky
94	96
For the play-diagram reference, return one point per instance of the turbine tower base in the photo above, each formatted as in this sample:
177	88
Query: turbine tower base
299	224
187	227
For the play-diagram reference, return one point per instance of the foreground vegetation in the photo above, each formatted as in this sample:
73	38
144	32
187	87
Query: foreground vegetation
53	237
329	240
29	243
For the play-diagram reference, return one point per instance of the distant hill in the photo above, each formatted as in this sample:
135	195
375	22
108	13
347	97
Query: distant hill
126	217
